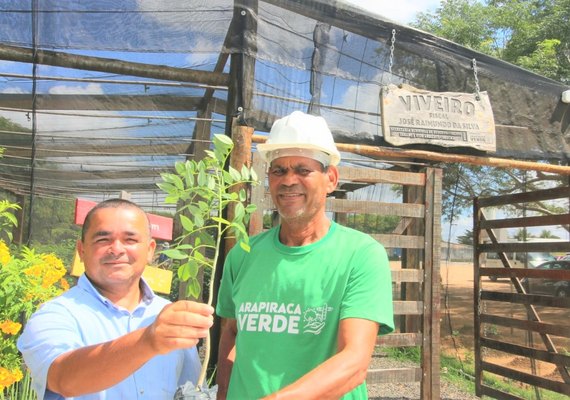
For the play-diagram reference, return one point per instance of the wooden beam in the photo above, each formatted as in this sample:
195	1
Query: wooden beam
378	152
108	65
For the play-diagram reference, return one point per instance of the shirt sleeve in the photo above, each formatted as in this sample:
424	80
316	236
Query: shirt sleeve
48	334
225	307
369	290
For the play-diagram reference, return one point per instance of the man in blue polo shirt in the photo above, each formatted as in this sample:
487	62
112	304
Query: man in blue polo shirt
111	337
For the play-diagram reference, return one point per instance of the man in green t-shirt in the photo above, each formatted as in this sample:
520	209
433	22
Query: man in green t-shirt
302	308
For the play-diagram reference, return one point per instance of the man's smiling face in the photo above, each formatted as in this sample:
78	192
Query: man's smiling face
299	186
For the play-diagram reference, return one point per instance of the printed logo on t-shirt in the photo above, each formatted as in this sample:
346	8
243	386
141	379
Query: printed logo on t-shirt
315	319
276	317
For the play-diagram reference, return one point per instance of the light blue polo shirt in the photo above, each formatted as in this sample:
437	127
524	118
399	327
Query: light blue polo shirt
81	317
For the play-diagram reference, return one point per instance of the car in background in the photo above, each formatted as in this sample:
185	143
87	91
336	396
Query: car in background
518	260
552	287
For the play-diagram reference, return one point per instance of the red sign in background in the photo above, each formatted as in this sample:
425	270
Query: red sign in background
160	227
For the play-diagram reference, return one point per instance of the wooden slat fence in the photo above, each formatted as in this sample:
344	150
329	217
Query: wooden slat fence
529	320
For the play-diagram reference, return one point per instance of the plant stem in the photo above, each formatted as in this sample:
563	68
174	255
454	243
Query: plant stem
207	346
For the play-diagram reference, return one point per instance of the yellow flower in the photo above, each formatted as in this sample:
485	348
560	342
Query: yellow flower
64	284
4	253
36	271
10	327
7	377
54	263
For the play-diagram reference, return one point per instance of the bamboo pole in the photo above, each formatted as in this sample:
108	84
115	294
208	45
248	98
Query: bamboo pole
60	59
376	151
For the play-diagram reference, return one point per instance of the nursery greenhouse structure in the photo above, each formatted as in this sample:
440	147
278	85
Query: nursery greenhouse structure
99	98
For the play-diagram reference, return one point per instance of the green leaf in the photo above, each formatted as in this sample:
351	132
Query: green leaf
188	178
172	199
253	175
184	272
239	211
242	195
244	246
198	220
245	172
202	178
250	208
11	218
167	187
193	288
193	268
239	228
210	153
175	254
207	239
211	182
221	220
180	168
204	207
186	223
235	174
192	209
228	178
223	142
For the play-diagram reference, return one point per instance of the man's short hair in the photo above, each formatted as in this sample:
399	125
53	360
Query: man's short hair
110	203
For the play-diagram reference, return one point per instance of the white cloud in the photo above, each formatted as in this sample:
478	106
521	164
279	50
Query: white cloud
13	90
402	11
91	88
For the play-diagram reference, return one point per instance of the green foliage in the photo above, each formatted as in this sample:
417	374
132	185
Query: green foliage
546	234
461	183
204	189
543	59
465	22
7	125
532	34
54	229
466	238
27	279
522	235
373	223
7	218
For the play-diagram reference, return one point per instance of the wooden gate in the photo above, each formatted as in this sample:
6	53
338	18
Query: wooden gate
506	311
416	277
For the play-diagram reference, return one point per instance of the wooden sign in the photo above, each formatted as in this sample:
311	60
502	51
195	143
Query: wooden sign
414	116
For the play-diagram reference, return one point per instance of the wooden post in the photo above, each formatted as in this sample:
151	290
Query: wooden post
430	387
240	156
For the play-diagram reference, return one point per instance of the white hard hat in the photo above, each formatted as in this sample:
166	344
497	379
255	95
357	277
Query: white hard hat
300	134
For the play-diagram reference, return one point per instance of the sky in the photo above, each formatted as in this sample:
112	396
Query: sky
402	11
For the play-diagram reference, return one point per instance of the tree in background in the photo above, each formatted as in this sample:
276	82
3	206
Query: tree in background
534	35
466	238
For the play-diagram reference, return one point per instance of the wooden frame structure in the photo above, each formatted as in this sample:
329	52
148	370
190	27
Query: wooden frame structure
545	350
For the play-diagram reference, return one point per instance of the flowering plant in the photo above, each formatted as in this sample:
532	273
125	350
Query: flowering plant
27	280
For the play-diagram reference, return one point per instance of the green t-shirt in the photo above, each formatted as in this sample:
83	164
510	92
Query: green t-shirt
288	302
